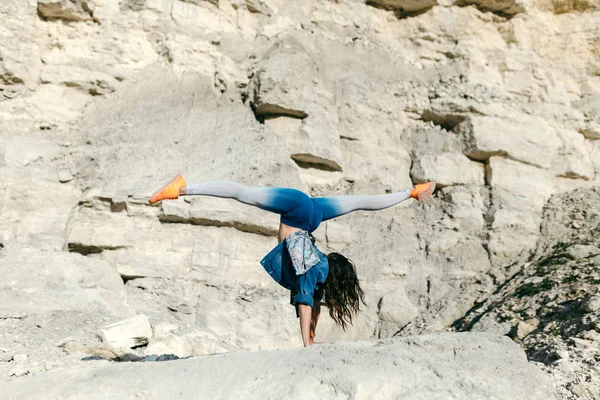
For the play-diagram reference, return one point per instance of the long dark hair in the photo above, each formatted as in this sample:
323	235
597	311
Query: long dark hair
341	292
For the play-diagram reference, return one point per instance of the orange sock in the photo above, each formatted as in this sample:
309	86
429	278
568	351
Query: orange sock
170	191
422	191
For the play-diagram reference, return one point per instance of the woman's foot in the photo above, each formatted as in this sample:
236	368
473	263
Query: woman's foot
170	191
422	191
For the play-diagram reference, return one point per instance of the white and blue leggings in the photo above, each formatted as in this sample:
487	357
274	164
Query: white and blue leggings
296	208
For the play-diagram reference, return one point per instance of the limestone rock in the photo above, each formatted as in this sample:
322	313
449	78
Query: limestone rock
589	105
590	130
199	2
20	53
591	304
575	162
582	251
165	342
68	10
524	328
91	233
64	176
92	82
503	7
403	7
184	150
25	190
564	6
63	282
185	342
447	169
133	264
511	182
218	212
128	333
489	323
395	312
263	7
551	301
333	98
516	136
26	150
276	93
442	364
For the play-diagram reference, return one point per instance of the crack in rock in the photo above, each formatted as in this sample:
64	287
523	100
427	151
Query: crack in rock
66	10
268	111
86	249
444	121
248	228
310	161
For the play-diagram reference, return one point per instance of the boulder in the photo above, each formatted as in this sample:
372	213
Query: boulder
582	251
395	312
591	304
186	342
128	333
447	169
473	366
518	136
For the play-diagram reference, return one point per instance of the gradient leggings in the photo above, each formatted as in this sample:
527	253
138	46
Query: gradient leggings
295	207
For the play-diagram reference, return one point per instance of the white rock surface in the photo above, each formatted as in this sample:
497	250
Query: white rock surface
583	251
520	137
448	170
182	342
128	333
36	282
441	366
395	312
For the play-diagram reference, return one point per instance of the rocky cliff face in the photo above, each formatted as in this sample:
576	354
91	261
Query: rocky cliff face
102	102
551	303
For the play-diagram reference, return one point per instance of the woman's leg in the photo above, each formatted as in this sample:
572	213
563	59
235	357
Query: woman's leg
333	207
273	199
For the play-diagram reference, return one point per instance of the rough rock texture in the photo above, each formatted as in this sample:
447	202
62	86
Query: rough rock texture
102	102
37	282
68	10
129	333
551	304
446	366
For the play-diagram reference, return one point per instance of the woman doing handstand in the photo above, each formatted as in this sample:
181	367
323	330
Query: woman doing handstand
296	263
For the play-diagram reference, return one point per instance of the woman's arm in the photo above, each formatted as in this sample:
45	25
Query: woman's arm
305	312
309	317
307	305
314	320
